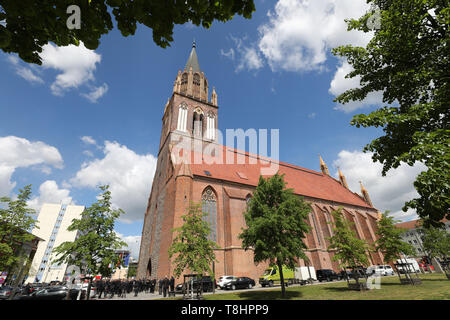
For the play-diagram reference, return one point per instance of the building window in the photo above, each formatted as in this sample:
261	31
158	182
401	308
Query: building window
209	206
197	125
182	117
210	126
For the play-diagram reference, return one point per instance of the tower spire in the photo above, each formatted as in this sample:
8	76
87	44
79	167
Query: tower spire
342	178
365	194
323	166
193	60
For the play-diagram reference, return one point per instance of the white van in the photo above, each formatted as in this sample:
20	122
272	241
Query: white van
414	266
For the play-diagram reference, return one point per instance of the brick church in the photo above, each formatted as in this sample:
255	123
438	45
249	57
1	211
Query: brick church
194	167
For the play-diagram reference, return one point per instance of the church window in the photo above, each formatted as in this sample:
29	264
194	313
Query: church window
209	206
182	117
196	79
210	126
197	127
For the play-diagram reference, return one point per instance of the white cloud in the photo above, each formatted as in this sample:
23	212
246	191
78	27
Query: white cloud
340	84
88	153
249	56
133	242
76	65
128	174
24	72
18	152
300	33
387	193
88	140
49	192
96	93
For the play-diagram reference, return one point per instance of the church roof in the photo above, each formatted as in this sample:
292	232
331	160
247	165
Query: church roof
303	181
192	61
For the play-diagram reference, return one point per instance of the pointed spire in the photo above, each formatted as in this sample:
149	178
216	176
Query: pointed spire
192	61
214	97
342	178
365	194
323	166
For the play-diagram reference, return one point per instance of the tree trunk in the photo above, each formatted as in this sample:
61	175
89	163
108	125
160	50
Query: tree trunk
283	289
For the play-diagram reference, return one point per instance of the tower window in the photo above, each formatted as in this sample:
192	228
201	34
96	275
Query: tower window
182	117
210	126
196	79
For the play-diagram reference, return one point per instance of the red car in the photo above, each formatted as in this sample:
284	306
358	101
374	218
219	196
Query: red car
426	267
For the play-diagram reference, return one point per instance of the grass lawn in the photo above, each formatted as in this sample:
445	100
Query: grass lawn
434	287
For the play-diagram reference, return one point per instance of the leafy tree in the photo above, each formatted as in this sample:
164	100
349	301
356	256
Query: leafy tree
94	249
407	60
350	252
390	241
27	25
436	242
276	225
132	268
191	247
16	224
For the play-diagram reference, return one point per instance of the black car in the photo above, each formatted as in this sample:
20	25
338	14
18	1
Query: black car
205	282
327	275
5	292
240	283
48	293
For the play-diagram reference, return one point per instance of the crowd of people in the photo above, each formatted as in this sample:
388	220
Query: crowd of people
107	288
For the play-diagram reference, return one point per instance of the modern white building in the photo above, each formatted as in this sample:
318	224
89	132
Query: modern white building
53	221
413	235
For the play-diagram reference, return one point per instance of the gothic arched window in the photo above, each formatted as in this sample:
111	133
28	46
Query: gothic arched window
182	117
209	206
211	126
196	79
197	127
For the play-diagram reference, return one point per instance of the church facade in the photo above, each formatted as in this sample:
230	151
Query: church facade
186	173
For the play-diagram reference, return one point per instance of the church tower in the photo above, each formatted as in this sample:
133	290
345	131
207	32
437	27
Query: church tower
189	112
189	115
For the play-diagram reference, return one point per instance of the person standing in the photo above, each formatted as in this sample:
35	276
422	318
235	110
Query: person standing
100	288
166	283
160	285
172	284
136	288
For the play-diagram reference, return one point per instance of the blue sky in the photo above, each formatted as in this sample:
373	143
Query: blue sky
86	118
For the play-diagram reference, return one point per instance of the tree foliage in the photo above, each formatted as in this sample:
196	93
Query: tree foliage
408	61
191	247
390	242
350	251
16	224
436	242
94	249
27	25
276	225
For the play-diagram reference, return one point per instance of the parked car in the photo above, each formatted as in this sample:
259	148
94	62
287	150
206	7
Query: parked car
48	293
224	280
206	282
383	270
327	275
240	283
5	292
426	267
345	275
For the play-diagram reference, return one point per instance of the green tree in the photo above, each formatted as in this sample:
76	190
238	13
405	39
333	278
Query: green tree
27	25
435	242
94	248
390	242
132	268
191	247
276	225
350	252
407	60
16	224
